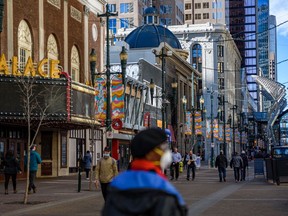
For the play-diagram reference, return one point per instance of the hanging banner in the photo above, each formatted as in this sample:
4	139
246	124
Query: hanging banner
198	123
220	138
215	129
100	103
208	128
188	125
237	136
228	133
117	97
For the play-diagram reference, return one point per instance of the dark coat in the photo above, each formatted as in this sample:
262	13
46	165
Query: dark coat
236	162
245	160
143	193
87	160
11	165
221	161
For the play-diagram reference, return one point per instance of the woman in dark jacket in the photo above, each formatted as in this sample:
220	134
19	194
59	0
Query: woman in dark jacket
11	168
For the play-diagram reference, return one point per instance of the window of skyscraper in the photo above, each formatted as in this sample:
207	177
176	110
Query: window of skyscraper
112	25
205	15
188	16
166	21
112	7
126	22
197	5
216	4
197	16
164	9
197	57
205	4
188	6
126	8
249	3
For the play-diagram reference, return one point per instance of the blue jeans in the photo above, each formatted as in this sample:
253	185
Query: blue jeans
222	173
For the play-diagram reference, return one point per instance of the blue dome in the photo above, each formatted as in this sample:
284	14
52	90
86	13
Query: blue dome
151	36
150	10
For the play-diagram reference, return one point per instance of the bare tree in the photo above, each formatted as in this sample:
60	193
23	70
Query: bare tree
39	101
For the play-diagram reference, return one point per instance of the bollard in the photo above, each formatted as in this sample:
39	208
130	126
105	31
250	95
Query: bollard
79	179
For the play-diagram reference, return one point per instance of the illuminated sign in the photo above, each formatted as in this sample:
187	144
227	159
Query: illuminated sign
29	69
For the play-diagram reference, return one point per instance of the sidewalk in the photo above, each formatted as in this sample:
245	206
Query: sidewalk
204	196
50	192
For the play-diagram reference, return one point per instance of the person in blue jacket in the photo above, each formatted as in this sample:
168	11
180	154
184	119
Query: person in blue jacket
35	159
144	189
87	163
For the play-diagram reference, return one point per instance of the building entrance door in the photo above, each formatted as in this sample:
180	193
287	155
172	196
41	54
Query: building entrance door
19	149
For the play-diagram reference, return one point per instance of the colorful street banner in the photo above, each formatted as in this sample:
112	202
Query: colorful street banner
188	125
117	104
215	129
198	123
100	103
208	129
221	134
228	133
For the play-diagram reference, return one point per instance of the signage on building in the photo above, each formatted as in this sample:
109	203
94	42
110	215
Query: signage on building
29	68
147	119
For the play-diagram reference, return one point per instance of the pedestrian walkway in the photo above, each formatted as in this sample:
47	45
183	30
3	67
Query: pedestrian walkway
204	196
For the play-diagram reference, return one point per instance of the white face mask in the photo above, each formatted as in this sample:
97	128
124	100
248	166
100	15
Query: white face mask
166	159
106	155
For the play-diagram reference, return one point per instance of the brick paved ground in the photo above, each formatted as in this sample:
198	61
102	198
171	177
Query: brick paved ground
204	196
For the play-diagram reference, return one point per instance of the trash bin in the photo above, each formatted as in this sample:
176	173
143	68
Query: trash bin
281	170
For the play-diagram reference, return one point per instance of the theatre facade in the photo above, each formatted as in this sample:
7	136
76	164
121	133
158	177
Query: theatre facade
45	82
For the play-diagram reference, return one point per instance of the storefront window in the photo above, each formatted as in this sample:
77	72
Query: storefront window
63	150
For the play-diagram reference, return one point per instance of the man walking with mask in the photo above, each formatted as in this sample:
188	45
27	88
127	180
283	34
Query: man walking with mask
145	183
106	170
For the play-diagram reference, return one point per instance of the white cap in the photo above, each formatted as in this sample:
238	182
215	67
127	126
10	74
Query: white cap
243	152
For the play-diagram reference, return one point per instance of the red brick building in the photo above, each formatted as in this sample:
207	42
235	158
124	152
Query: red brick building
63	32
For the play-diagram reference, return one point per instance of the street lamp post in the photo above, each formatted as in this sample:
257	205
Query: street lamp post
163	55
212	131
202	119
233	127
184	101
123	57
108	14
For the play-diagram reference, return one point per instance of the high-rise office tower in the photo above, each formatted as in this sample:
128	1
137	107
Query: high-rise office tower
199	11
130	12
272	48
247	21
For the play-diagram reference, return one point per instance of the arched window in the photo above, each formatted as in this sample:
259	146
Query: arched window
52	49
24	44
197	57
75	64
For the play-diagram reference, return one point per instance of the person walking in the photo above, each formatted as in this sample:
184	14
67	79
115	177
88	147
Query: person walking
11	168
245	165
237	163
221	163
191	165
87	163
144	189
106	170
184	160
35	159
174	169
